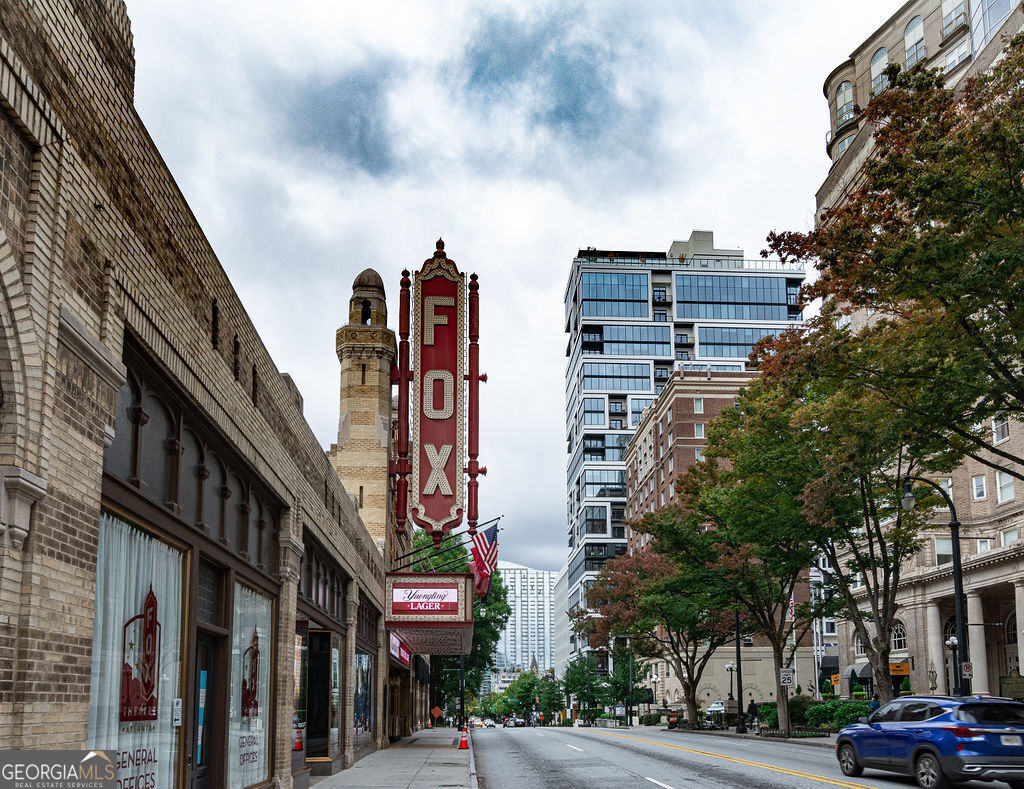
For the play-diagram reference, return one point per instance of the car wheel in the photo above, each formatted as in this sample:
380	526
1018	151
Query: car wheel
848	760
1016	784
928	772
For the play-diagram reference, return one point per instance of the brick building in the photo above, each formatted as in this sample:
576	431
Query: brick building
183	575
667	441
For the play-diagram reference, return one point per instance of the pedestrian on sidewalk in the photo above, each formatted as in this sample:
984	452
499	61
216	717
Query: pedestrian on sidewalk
873	704
751	714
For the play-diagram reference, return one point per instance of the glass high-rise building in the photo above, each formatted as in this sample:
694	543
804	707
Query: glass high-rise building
528	636
633	318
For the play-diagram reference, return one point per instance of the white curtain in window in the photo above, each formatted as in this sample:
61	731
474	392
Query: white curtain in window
249	712
137	576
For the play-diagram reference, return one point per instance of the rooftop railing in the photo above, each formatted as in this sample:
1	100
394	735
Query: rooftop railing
699	264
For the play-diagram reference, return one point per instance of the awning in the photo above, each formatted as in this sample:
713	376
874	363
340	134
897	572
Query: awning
863	670
830	662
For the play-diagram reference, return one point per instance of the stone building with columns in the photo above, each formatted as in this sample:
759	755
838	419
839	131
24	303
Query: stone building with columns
962	38
184	578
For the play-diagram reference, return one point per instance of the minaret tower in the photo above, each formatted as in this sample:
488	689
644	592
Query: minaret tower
367	351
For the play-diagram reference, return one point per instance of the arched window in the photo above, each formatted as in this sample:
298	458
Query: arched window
899	637
879	81
913	40
858	645
1011	629
844	103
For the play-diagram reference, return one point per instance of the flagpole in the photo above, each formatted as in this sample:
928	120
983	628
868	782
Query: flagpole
450	534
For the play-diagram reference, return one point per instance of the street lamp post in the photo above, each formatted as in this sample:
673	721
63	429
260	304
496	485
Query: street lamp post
952	645
961	685
741	723
730	668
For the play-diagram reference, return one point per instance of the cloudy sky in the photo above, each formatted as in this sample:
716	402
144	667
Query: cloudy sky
315	139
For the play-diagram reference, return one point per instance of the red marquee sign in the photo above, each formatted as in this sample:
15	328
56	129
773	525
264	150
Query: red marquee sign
444	372
439	395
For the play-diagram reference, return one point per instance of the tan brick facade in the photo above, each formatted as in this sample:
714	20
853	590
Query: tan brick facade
100	255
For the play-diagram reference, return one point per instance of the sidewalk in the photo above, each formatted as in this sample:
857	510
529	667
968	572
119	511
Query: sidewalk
429	759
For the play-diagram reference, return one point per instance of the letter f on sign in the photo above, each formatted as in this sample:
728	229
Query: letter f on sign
437	479
432	319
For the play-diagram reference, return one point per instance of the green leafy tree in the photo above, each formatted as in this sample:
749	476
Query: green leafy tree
550	697
489	618
740	525
583	683
929	247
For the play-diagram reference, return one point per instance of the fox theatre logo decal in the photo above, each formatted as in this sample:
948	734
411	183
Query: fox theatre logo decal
140	664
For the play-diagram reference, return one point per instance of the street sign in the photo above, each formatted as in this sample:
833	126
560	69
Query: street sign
967	670
436	712
836	679
786	677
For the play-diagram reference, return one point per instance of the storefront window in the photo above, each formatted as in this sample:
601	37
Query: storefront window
136	663
249	713
363	702
335	693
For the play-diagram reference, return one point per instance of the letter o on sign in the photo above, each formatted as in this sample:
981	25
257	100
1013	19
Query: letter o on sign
429	400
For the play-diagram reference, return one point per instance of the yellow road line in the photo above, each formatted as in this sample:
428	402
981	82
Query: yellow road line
763	766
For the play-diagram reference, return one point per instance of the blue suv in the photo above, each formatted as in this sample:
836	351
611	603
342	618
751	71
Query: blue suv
939	739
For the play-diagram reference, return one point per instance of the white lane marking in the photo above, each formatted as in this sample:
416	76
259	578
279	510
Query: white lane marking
659	783
574	748
538	734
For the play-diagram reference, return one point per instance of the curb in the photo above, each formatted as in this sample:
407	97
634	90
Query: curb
811	741
473	782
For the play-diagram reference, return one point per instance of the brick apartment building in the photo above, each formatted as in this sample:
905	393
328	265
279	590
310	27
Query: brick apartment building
668	440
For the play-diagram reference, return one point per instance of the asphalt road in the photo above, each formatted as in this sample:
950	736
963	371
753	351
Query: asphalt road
529	758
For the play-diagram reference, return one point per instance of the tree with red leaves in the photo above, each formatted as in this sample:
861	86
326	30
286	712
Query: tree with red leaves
655	602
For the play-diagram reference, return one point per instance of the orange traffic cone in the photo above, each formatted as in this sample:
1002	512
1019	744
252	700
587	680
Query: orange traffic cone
464	742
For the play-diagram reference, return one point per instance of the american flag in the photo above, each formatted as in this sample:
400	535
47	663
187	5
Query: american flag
485	550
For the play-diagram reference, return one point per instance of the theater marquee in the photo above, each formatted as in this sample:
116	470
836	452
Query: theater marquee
432	613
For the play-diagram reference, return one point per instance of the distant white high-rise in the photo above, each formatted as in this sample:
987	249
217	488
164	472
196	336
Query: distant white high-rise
529	633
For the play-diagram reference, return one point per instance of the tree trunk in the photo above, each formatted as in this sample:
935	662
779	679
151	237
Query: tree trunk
781	691
690	691
880	673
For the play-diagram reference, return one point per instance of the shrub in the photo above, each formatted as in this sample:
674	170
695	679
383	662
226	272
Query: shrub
653	719
905	684
836	713
768	715
798	706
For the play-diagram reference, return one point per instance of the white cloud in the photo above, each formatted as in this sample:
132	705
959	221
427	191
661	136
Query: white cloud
606	124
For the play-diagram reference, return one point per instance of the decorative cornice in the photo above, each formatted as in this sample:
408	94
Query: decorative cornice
90	350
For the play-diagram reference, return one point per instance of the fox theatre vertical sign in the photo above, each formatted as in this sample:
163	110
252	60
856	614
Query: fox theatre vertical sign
444	375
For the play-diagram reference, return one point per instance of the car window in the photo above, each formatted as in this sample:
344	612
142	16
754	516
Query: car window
888	713
995	713
920	711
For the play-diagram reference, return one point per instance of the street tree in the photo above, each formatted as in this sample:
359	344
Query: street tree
489	618
845	458
661	609
739	524
928	247
582	683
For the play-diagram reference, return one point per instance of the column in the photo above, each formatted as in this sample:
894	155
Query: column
348	666
936	649
1018	600
290	550
976	642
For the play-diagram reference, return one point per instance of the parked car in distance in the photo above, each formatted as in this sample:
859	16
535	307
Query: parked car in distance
488	724
939	740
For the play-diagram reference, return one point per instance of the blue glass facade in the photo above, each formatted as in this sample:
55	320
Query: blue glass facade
646	341
730	342
723	297
611	295
615	377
